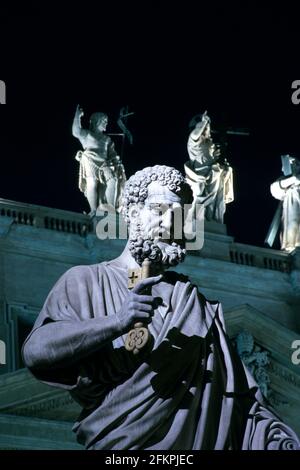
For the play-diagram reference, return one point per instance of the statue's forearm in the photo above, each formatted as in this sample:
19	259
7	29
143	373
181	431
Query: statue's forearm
76	127
198	131
111	151
63	343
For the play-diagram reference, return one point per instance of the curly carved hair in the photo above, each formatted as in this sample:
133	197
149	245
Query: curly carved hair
136	188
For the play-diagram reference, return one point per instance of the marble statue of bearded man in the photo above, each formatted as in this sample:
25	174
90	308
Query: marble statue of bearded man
187	389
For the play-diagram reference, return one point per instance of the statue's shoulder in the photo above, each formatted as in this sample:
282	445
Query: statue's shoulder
84	273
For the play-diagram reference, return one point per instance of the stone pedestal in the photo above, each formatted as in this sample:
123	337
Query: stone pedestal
216	242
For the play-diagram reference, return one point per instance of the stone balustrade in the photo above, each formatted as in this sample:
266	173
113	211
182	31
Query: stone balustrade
75	223
45	217
266	258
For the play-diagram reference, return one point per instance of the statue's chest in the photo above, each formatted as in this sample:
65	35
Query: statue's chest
101	144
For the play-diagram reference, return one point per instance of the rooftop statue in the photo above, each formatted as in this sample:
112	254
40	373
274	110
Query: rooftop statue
287	190
101	173
207	172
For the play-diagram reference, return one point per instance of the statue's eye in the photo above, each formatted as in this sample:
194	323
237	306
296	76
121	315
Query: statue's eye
155	208
159	208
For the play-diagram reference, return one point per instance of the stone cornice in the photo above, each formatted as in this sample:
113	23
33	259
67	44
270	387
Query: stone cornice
275	338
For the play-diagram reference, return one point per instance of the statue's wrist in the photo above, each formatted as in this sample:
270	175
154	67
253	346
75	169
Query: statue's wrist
121	325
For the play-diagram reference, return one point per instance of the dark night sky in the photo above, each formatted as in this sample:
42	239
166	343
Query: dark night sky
167	66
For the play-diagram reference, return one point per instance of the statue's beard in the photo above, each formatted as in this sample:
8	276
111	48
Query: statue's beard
162	253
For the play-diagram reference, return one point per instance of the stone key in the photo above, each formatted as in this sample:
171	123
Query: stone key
138	337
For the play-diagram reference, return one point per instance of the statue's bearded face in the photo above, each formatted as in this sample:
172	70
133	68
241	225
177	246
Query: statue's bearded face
152	228
102	124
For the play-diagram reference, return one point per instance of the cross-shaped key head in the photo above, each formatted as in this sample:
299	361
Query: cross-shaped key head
134	276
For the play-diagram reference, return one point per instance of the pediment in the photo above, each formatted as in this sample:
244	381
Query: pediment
21	394
34	415
268	333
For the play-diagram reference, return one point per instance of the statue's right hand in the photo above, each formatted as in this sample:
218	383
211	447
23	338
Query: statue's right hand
79	110
138	307
205	118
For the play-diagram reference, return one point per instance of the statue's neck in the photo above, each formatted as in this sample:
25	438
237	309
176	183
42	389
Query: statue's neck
126	260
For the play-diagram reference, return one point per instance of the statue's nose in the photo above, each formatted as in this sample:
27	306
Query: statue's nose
167	221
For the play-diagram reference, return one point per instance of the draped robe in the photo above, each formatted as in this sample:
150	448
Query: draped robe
210	180
290	197
187	391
